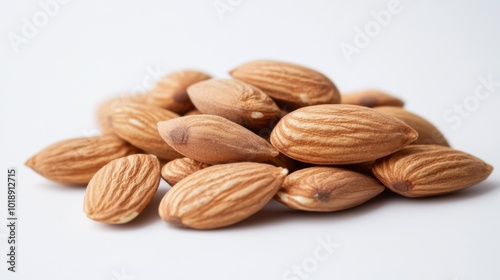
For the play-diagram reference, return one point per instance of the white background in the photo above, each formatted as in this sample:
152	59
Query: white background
431	54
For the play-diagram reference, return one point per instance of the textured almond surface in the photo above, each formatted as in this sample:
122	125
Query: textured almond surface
180	168
171	92
340	134
75	161
427	132
325	189
426	170
221	195
236	101
370	98
136	123
105	108
212	139
122	188
289	83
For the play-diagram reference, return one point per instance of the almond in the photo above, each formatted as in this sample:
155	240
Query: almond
193	112
236	101
370	98
426	170
120	190
171	92
291	84
339	134
104	110
427	132
326	189
221	195
136	123
212	139
180	168
75	161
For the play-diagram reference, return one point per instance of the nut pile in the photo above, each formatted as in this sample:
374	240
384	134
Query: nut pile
228	146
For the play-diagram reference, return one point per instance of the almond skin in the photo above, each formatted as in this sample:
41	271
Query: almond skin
236	101
180	168
171	92
339	134
290	84
427	170
136	123
75	161
371	98
427	132
221	195
212	139
193	112
120	190
326	189
105	108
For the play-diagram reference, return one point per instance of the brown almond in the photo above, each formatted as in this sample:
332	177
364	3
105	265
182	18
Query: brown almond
105	108
75	161
180	168
236	101
340	134
136	123
326	189
221	195
171	92
427	132
290	84
212	139
426	170
120	190
370	98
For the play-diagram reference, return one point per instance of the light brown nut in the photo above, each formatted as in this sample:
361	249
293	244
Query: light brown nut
171	92
136	123
427	132
236	101
221	195
426	170
105	108
212	139
120	190
339	134
180	168
326	189
75	161
288	83
370	98
193	112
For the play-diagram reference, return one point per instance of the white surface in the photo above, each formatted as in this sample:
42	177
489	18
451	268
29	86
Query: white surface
431	54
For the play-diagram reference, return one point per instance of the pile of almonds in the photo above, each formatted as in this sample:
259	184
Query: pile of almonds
228	146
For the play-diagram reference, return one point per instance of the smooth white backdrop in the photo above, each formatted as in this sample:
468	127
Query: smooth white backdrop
432	54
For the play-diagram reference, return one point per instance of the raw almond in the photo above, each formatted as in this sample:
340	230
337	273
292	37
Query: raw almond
212	139
370	98
171	92
104	110
120	190
236	101
426	170
427	132
340	134
193	112
221	195
288	83
326	189
180	168
136	123
75	161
